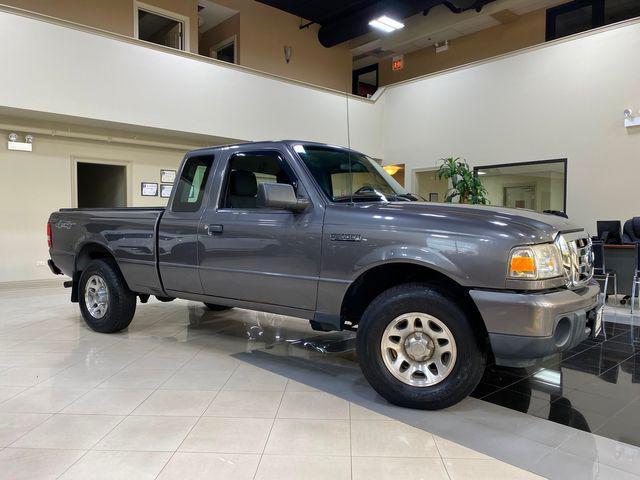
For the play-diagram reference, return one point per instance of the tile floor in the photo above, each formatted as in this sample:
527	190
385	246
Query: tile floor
188	393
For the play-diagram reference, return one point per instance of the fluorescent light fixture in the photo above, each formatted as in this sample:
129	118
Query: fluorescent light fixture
386	24
480	172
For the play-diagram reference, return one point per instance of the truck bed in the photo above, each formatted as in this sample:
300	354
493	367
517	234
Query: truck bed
128	233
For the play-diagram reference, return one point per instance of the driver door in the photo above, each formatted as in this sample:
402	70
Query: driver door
256	254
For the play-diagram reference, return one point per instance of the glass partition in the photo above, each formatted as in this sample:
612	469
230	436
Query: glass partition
532	185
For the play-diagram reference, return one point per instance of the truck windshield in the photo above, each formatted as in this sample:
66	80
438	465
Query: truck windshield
345	175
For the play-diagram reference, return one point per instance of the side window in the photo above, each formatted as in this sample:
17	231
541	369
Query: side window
248	170
192	183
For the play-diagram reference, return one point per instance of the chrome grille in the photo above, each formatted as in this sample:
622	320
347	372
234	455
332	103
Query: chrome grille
577	257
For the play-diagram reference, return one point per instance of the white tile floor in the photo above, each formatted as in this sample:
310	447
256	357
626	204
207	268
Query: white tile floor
188	393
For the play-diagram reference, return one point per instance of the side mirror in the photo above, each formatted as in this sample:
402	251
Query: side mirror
280	196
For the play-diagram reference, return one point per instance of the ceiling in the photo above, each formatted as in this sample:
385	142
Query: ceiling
438	26
211	14
343	20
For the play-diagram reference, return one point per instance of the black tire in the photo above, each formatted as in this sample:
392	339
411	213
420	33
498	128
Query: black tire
216	308
121	301
419	297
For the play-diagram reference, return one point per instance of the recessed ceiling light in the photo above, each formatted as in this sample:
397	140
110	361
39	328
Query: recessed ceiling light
386	24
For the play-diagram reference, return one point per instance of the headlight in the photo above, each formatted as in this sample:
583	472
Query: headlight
535	262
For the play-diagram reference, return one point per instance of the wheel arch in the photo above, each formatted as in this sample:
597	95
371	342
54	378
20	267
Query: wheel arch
379	278
88	252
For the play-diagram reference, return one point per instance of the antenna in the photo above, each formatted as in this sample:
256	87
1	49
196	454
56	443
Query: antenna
346	96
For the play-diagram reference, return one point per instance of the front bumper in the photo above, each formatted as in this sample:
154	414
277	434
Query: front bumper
526	326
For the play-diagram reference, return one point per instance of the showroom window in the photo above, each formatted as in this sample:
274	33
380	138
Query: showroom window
156	25
247	170
581	15
192	183
540	186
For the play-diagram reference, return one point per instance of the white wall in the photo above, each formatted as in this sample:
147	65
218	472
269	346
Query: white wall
559	101
37	183
55	69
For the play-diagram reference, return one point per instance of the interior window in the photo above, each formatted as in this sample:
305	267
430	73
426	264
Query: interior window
192	183
159	29
248	170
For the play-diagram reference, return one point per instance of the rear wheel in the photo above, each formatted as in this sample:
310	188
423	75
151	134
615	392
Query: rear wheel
417	348
106	302
216	308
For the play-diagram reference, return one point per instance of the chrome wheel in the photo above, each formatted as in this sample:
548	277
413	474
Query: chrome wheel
96	296
418	349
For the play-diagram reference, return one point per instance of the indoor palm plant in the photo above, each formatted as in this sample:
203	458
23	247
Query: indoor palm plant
466	186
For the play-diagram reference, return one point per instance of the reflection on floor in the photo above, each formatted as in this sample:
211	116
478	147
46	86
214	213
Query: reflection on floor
594	387
188	393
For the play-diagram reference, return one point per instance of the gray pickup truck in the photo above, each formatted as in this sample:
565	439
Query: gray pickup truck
434	291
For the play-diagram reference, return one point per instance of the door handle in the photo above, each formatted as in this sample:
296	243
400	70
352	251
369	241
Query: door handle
213	229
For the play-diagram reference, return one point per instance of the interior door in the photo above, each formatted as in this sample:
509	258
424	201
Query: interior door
258	254
178	230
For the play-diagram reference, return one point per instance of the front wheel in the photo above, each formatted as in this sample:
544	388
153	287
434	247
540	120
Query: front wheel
106	302
417	348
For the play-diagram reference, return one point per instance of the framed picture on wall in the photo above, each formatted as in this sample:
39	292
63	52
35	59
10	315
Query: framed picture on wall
165	190
148	189
167	176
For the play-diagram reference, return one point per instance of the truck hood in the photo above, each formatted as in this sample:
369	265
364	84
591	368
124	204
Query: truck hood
537	227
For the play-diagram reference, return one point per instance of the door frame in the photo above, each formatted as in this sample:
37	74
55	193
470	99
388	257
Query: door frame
220	45
128	192
414	179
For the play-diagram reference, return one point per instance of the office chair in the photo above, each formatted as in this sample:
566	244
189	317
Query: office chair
600	272
631	230
636	276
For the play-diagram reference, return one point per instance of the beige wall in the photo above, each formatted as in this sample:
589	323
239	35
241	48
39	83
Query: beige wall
110	15
39	182
220	33
264	31
527	30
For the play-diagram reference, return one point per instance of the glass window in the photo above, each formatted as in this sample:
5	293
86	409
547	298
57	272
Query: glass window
533	185
248	170
156	28
619	10
344	175
192	183
582	15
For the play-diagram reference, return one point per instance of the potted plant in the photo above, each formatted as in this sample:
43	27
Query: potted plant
466	186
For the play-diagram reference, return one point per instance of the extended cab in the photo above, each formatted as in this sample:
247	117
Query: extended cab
323	233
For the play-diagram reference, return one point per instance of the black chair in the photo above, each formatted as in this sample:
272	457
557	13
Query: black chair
631	230
636	276
600	272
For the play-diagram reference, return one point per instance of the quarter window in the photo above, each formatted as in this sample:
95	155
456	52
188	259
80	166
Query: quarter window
192	183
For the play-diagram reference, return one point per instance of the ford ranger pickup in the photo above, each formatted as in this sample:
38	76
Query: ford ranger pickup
323	233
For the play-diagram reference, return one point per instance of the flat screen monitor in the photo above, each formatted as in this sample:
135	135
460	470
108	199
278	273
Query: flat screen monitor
609	231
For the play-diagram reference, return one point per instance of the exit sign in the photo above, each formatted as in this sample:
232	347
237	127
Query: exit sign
397	63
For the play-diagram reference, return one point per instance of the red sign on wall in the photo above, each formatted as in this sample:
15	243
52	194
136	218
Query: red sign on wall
397	63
